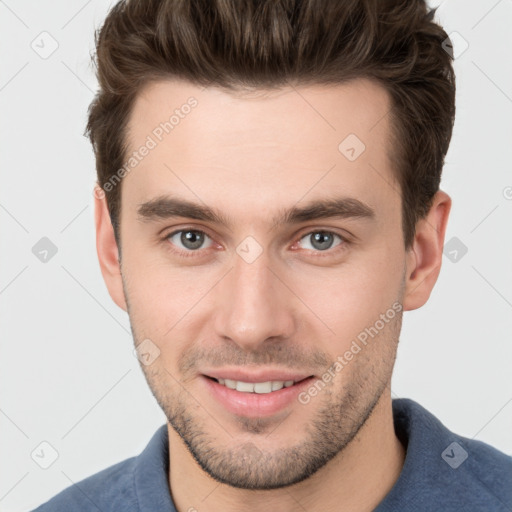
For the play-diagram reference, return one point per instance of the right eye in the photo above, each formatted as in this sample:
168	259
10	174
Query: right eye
189	240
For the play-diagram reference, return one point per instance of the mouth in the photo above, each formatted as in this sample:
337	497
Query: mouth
257	399
269	386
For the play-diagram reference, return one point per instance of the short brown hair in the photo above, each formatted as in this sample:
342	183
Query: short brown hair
237	44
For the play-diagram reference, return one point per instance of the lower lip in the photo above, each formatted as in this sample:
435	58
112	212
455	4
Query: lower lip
254	405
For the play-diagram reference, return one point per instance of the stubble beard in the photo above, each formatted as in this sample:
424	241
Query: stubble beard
247	466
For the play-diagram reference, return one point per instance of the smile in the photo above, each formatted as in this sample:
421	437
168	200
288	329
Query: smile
255	387
254	399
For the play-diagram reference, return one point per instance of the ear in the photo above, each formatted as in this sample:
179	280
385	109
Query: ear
106	247
423	259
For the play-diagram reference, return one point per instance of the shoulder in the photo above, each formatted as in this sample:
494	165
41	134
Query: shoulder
445	469
469	475
486	473
108	490
131	485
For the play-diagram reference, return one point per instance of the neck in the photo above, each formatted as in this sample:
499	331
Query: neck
359	477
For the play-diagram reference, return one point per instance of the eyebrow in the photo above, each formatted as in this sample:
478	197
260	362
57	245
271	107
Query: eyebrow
167	207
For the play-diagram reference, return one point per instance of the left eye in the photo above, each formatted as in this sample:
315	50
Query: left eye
190	239
321	240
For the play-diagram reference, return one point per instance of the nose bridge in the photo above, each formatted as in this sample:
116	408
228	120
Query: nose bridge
253	304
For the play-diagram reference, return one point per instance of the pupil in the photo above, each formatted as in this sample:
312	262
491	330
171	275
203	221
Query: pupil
192	239
322	240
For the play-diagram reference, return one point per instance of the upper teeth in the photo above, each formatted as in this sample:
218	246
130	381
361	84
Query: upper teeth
256	387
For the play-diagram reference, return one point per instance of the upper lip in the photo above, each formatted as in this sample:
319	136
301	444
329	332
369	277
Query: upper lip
263	375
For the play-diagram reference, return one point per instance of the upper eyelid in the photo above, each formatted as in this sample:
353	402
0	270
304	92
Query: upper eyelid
322	231
344	237
189	228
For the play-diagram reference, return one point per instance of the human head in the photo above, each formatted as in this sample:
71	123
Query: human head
269	44
243	156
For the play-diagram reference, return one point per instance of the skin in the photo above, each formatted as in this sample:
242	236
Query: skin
295	307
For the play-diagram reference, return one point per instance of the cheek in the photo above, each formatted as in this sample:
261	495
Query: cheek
164	301
153	284
341	302
149	296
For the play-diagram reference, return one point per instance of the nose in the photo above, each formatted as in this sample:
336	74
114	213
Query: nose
254	305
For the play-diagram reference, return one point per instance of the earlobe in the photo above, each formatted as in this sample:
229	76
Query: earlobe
424	258
107	250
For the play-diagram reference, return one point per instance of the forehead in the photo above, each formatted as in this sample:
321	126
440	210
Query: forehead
262	147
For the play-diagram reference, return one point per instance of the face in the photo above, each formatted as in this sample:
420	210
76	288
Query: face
260	245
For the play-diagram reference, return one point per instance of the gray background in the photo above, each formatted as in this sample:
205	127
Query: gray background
68	374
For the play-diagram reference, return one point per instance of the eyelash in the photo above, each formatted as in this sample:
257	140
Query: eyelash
328	252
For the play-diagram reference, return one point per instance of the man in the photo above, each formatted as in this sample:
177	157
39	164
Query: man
267	207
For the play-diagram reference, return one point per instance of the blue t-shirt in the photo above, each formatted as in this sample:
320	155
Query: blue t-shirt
442	472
